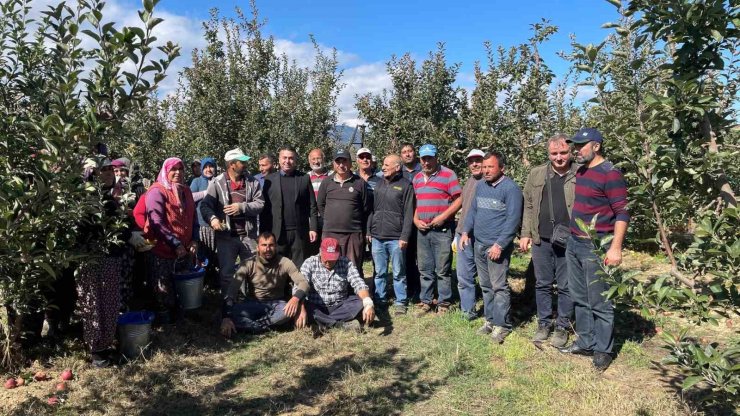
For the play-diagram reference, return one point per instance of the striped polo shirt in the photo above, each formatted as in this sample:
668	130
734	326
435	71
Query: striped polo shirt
601	191
433	196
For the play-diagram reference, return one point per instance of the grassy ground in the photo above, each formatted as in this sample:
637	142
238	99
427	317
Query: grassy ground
431	366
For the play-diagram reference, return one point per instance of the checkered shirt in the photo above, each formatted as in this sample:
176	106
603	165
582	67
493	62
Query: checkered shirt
329	287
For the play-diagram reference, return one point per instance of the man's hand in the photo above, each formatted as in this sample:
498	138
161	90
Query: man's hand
525	243
613	257
437	222
193	249
227	327
421	225
402	244
312	235
216	224
300	321
369	239
368	314
180	251
291	308
231	209
464	241
494	252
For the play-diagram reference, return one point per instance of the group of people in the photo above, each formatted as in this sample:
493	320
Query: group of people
289	246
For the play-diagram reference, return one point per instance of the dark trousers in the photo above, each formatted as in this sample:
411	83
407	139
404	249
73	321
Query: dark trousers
293	245
347	310
435	262
413	278
352	246
550	267
594	314
259	315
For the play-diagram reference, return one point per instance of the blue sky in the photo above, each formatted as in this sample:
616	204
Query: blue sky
367	33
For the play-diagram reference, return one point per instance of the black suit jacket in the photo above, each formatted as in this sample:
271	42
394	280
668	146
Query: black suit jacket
271	218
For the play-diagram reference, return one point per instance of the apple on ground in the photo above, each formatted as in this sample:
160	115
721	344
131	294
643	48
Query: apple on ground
11	383
67	375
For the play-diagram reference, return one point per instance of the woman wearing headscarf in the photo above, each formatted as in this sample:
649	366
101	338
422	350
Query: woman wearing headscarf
98	293
171	221
199	187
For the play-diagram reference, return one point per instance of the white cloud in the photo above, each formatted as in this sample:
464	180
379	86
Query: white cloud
360	80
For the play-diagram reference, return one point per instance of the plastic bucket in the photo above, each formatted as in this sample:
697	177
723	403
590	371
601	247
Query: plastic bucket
189	287
133	332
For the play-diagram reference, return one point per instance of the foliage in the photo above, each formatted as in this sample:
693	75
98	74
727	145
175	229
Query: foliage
68	82
240	92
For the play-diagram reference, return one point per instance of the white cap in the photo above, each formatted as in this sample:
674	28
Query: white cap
474	153
236	154
364	150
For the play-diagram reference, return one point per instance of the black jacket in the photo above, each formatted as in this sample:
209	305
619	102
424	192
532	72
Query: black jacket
393	214
271	218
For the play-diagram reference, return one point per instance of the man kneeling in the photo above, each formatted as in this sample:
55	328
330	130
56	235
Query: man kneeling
265	277
329	302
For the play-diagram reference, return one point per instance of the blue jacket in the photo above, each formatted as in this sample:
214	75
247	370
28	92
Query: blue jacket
495	213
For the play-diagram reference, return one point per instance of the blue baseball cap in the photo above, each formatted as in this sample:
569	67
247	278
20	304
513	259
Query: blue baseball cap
428	150
586	135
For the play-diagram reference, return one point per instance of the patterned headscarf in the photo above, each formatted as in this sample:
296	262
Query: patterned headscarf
166	168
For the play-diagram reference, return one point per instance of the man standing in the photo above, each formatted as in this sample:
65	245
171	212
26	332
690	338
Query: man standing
290	208
409	169
601	191
390	226
437	200
231	206
266	278
365	168
344	203
495	215
548	201
318	169
266	165
329	303
466	258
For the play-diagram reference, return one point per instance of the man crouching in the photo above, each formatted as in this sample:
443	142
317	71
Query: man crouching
265	277
330	303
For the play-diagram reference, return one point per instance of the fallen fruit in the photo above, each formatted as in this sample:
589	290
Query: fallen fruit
53	400
20	381
61	386
67	375
658	330
40	376
10	384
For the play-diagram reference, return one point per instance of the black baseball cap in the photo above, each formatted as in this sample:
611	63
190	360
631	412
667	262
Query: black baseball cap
586	135
342	153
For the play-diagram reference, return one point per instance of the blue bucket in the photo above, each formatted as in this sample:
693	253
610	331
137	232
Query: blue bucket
133	332
189	287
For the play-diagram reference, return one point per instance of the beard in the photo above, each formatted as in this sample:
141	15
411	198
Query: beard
316	166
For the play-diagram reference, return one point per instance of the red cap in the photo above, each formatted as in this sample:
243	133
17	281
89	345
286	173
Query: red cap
329	249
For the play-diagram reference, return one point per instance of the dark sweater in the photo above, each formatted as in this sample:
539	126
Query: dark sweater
344	205
288	189
393	209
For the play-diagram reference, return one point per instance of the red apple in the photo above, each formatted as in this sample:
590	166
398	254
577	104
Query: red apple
67	375
53	400
40	376
61	386
11	384
20	381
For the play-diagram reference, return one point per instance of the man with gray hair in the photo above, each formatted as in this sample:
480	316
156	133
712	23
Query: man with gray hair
389	229
548	200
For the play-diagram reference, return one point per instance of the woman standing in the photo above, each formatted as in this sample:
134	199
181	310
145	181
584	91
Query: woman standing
171	221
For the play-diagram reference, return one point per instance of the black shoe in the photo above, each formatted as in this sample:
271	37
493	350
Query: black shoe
602	361
576	350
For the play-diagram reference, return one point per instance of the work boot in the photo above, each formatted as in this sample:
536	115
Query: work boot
499	334
351	326
601	361
485	329
542	333
399	310
422	310
443	308
559	337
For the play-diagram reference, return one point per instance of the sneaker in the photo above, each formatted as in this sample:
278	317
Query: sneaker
486	329
559	337
443	308
351	326
422	310
469	316
399	310
601	361
499	334
542	333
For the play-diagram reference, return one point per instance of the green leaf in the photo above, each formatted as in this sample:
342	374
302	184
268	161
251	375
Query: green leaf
691	381
667	184
148	5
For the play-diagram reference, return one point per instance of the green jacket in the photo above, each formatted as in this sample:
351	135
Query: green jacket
533	198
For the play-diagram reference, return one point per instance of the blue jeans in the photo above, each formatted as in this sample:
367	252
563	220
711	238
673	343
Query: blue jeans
594	314
228	248
382	251
496	292
466	277
550	266
434	252
258	315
